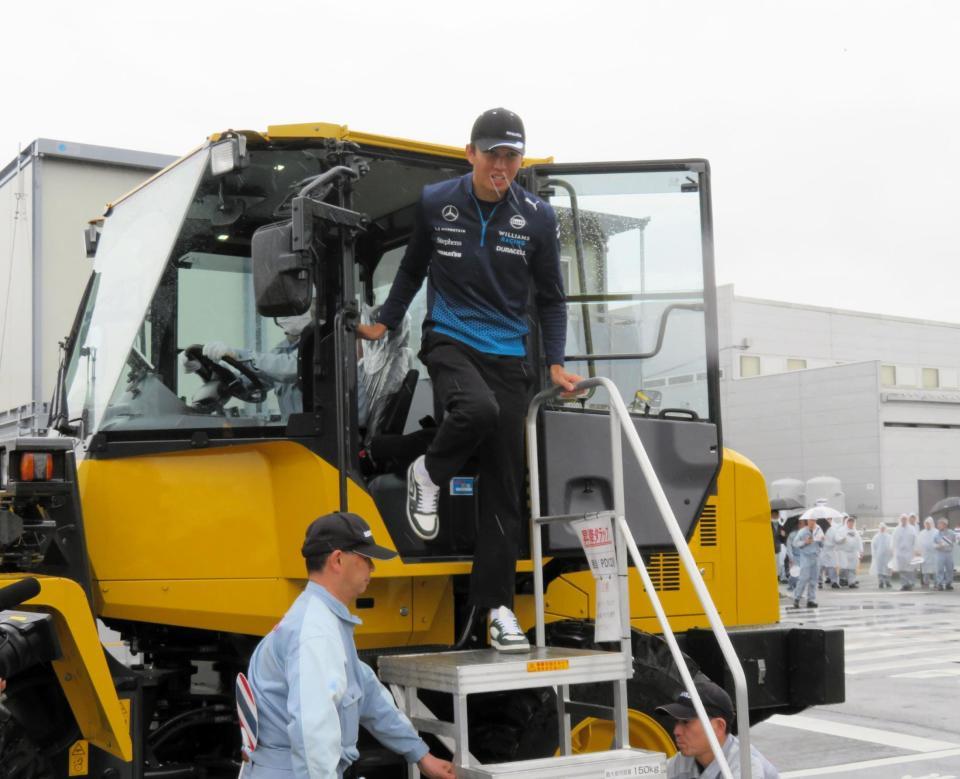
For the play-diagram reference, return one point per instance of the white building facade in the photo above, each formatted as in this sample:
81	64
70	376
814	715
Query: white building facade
48	195
872	400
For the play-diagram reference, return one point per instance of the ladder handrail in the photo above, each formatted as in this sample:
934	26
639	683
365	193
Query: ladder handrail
621	424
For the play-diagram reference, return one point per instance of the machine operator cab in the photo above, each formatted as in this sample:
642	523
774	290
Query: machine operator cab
252	227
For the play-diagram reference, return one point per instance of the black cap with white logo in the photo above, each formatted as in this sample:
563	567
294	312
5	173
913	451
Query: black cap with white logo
715	700
344	531
498	128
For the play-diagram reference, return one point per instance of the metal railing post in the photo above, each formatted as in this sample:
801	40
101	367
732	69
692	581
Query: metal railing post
536	533
621	729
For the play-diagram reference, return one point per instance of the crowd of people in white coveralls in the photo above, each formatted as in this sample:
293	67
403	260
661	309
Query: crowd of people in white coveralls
811	557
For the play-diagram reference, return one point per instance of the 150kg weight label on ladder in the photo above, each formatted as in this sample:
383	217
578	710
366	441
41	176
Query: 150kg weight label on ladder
634	770
596	538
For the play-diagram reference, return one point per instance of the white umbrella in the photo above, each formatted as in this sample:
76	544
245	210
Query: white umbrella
822	512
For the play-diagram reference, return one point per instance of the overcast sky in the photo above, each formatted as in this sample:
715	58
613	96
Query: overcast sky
831	126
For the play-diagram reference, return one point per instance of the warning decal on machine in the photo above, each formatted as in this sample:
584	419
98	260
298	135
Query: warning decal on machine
597	539
535	666
79	759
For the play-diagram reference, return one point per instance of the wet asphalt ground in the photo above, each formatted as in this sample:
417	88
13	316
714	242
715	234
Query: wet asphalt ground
901	718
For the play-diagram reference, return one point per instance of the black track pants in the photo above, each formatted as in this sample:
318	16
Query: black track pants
484	399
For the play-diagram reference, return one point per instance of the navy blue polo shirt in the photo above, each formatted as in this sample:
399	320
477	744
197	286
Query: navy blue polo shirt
480	259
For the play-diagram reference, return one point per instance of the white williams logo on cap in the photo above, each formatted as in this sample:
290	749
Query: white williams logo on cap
450	213
517	222
367	534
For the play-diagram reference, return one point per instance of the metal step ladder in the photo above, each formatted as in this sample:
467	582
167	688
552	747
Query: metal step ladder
474	671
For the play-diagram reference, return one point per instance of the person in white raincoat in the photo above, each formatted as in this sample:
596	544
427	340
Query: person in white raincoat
904	548
830	557
881	552
926	541
791	559
850	553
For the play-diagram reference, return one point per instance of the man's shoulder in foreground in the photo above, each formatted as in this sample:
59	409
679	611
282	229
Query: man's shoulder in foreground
682	767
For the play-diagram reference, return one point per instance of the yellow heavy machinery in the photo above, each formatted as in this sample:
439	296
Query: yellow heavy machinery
164	512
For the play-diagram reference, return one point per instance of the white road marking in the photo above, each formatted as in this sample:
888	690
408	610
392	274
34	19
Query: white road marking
895	639
846	768
932	673
900	651
859	733
871	667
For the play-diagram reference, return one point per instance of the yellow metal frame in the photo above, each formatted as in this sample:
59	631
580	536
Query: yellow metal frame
82	670
231	560
309	130
342	132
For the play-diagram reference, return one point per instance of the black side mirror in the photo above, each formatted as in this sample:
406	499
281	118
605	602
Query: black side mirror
282	282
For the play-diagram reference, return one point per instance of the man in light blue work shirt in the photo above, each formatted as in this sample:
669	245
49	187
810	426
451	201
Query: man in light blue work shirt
311	690
806	547
694	758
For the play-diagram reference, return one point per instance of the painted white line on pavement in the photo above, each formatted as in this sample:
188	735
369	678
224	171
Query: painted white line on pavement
890	640
829	727
857	657
887	666
843	770
932	673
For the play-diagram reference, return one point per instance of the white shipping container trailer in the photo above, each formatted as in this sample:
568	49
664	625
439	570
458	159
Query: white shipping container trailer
48	194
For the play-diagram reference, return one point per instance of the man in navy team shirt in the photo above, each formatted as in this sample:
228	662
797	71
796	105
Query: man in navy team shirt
481	240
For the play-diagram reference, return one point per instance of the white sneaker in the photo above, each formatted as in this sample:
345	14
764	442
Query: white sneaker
505	632
422	502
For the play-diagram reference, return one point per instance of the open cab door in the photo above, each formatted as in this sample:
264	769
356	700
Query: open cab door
637	258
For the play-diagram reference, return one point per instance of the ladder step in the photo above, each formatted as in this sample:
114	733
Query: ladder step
625	762
487	670
561	518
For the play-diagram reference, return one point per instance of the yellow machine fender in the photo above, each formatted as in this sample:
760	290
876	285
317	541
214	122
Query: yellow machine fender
82	669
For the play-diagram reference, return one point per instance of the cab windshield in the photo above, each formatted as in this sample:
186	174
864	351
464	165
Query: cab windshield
171	339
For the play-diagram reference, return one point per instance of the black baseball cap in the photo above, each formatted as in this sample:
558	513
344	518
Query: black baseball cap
498	128
346	532
716	703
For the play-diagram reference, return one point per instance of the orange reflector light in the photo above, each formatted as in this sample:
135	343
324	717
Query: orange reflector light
36	466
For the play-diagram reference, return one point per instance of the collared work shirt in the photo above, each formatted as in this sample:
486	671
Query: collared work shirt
681	767
801	549
313	692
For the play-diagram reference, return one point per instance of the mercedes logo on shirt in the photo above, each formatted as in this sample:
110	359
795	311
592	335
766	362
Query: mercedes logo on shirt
450	213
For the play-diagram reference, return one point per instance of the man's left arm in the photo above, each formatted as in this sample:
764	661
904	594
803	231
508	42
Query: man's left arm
550	298
379	714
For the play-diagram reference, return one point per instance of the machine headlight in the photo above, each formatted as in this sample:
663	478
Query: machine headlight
228	154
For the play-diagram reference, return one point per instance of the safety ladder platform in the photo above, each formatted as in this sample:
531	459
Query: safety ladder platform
487	670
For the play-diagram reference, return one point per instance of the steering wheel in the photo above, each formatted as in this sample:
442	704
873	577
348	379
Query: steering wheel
230	384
